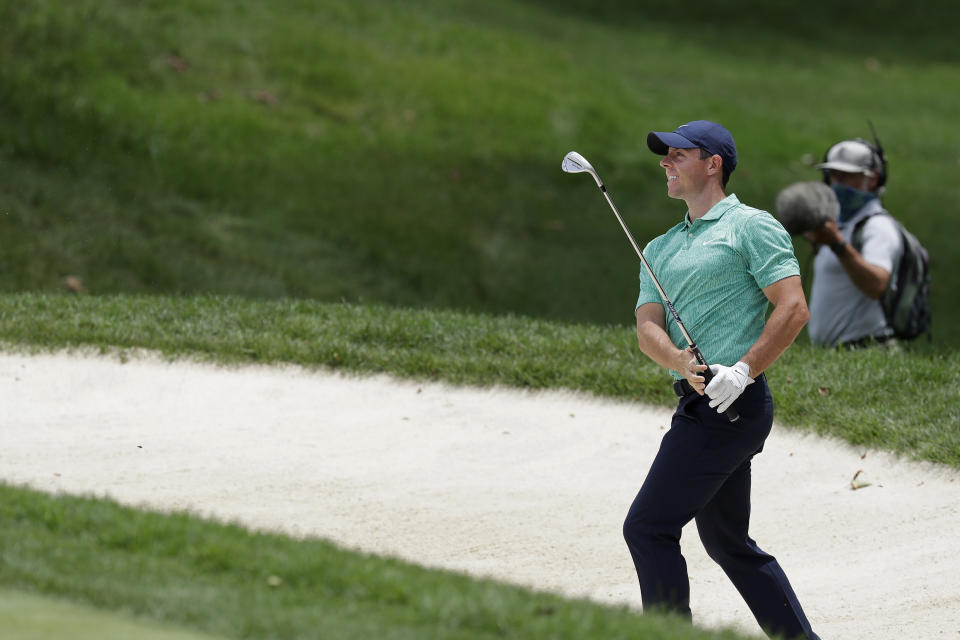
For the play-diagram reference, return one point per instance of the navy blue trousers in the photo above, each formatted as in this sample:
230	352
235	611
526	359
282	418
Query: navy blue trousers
702	471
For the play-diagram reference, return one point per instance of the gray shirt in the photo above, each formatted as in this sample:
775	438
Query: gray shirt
839	311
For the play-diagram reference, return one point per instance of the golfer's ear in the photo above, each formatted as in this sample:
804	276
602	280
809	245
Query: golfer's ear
715	164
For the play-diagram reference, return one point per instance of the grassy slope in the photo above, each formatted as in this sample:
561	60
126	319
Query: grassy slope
220	579
339	150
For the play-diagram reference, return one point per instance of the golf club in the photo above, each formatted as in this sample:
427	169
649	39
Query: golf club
573	162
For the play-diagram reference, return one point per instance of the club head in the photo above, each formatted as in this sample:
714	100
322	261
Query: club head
573	162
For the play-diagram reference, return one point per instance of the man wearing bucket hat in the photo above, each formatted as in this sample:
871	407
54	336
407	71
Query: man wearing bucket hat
848	281
722	266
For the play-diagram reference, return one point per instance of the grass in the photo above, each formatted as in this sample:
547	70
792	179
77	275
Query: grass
220	579
409	155
31	617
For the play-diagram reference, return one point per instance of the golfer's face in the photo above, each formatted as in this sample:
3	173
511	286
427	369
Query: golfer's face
686	172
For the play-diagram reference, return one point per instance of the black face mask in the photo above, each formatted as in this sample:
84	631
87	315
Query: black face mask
851	200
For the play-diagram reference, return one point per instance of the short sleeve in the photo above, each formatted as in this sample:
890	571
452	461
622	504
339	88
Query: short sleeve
768	250
881	242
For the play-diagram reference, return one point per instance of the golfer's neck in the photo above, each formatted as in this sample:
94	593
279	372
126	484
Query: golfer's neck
704	201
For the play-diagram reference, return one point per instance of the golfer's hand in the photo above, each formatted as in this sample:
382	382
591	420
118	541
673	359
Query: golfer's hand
690	370
727	384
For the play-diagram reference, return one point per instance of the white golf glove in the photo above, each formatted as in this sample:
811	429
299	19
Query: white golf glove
727	384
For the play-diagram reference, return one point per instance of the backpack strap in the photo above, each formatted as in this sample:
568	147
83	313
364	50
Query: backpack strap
856	238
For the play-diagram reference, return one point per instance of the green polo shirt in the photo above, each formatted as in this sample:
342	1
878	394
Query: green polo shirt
714	271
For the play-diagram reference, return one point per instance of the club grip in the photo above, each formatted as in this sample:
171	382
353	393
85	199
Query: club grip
731	413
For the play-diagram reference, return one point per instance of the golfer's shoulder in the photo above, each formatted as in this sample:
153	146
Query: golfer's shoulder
754	219
743	211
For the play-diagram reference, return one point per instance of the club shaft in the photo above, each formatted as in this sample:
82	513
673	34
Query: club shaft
731	413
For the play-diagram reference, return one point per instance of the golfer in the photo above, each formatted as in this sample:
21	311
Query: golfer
721	267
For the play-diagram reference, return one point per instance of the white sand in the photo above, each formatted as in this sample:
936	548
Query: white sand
529	488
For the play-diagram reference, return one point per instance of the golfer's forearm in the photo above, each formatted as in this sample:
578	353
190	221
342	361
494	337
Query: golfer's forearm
782	328
656	344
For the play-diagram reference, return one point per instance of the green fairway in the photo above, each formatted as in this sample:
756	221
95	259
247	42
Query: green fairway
31	617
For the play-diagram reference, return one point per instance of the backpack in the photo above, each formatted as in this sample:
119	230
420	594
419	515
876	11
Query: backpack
906	302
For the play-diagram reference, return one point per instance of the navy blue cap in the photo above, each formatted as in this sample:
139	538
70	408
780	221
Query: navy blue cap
699	133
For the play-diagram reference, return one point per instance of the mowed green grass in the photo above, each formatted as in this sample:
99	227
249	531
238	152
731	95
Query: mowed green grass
408	154
31	617
222	580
